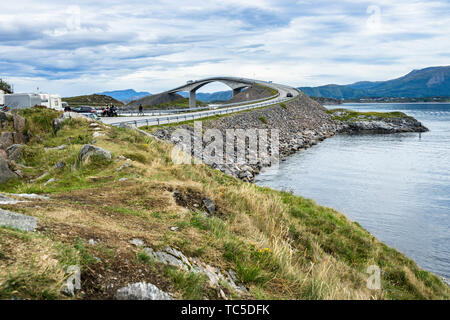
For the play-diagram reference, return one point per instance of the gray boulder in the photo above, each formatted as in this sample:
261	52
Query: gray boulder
19	123
19	138
57	123
209	205
59	165
17	220
137	242
5	172
5	116
6	139
89	150
142	291
15	152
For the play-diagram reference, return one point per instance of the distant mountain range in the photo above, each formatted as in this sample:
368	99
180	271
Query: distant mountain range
129	95
428	82
125	95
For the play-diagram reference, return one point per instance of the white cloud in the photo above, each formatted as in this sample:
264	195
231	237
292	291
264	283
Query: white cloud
159	45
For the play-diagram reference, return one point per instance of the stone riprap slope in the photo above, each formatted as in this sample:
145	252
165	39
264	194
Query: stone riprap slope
302	123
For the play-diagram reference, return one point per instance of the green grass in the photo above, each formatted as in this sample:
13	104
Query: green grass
86	257
193	286
263	119
350	115
281	246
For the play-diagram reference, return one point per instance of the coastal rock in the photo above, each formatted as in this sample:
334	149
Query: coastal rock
141	291
380	125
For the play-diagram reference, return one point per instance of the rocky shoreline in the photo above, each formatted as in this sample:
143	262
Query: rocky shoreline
301	122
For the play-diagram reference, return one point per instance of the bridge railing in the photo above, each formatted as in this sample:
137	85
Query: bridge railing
188	117
159	112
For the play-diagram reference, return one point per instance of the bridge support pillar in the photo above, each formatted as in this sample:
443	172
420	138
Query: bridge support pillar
192	99
236	91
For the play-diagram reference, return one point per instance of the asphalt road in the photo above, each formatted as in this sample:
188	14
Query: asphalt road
173	118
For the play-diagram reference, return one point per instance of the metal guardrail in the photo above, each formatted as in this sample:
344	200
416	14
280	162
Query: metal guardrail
180	118
247	102
160	112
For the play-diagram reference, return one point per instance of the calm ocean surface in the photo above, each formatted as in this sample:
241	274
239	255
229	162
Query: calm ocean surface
397	186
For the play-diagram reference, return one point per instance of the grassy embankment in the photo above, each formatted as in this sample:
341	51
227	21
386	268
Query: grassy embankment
281	246
94	100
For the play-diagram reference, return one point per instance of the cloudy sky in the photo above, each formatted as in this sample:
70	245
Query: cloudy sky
82	47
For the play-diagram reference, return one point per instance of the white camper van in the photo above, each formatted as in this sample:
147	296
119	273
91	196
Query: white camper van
28	100
22	100
51	101
2	98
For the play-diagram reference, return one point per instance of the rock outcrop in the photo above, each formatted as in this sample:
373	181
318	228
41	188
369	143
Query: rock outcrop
12	138
15	152
5	172
141	291
173	257
89	150
17	220
381	125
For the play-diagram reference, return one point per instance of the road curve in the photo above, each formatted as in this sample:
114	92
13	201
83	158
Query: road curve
140	121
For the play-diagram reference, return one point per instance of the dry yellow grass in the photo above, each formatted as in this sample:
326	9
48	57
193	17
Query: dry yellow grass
281	246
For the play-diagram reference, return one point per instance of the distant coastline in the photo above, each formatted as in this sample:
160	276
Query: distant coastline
332	101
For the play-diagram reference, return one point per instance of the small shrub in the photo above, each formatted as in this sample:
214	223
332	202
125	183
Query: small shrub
263	119
192	285
142	256
139	157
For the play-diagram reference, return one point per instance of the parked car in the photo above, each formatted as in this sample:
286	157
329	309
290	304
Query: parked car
84	109
289	95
